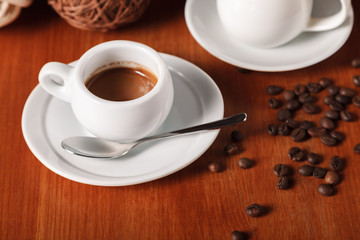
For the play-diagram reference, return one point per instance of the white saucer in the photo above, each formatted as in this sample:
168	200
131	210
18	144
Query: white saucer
47	120
307	49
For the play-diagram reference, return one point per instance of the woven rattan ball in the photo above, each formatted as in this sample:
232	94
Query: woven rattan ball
101	15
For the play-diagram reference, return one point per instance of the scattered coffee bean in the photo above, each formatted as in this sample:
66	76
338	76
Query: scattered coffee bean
298	135
283	114
311	108
336	106
254	210
356	80
327	123
231	149
296	154
336	163
314	87
333	115
283	130
347	92
245	163
333	90
313	158
332	177
272	129
236	136
306	98
337	135
356	101
299	89
274	103
274	90
306	170
342	99
283	183
326	189
291	123
346	116
316	131
288	95
236	235
325	82
214	167
319	172
328	99
328	140
306	124
355	63
281	170
357	148
292	105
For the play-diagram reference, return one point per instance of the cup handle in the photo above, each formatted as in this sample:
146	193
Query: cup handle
55	78
333	21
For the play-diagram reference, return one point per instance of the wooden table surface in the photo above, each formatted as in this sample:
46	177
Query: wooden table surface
192	203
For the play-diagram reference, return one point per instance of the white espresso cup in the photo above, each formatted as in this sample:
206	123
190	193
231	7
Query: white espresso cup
112	120
271	23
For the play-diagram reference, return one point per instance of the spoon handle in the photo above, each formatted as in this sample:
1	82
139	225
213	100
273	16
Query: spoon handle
238	118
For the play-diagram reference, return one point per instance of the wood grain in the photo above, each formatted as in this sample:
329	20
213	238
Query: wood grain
193	203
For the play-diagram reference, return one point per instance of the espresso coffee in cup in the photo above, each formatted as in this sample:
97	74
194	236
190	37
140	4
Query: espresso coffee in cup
120	83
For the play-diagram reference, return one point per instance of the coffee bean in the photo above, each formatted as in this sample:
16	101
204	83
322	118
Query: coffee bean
283	183
356	101
314	87
236	136
337	135
347	92
356	80
306	170
357	148
281	170
333	115
274	103
319	172
336	106
306	124
325	82
328	99
342	99
272	129
336	163
313	158
292	105
283	114
288	95
326	189
346	116
296	154
245	163
214	167
254	210
332	177
316	131
311	108
283	130
328	140
291	123
274	90
300	89
333	90
355	63
298	135
236	235
306	98
327	123
231	149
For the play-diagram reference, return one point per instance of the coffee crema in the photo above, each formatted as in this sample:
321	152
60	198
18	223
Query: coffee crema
121	83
